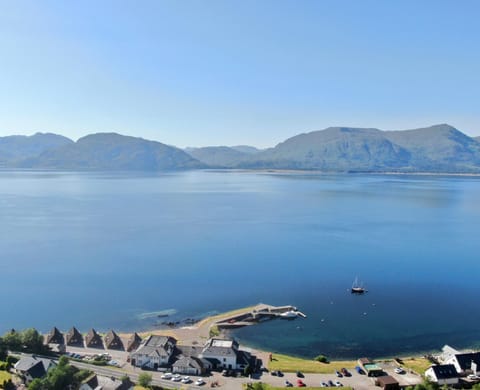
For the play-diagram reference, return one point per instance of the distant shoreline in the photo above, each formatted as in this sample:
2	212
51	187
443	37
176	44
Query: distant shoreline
244	170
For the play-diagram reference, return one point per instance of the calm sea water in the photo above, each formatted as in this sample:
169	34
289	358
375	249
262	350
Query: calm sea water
98	250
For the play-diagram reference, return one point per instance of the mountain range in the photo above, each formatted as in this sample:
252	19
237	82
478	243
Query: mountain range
439	148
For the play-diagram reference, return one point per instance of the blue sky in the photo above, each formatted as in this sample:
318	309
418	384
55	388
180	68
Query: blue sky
195	73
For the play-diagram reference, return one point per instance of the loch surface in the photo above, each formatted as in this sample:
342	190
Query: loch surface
106	250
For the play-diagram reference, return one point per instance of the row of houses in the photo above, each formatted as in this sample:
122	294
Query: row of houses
57	340
455	367
163	351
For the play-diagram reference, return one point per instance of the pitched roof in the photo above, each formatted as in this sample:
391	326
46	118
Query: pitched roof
192	362
74	336
157	346
220	347
133	342
190	350
244	358
55	337
445	371
93	339
113	341
36	367
465	360
105	383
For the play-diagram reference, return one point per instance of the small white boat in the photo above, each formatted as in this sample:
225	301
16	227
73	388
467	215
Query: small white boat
357	288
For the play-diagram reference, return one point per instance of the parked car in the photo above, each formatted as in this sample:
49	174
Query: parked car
167	375
399	370
330	383
199	382
338	374
224	373
274	373
300	383
300	375
279	373
323	384
186	379
473	377
359	370
288	384
345	372
176	378
338	384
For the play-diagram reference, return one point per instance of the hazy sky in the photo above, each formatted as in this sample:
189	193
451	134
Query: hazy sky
193	73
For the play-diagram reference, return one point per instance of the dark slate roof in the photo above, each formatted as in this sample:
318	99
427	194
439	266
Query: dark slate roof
465	360
189	350
113	341
218	351
445	371
105	383
220	347
243	357
55	337
74	336
36	367
157	345
133	342
189	362
93	339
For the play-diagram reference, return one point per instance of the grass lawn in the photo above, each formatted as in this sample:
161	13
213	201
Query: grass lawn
419	365
4	376
293	364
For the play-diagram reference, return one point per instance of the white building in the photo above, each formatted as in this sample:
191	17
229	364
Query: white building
466	362
153	352
444	374
223	353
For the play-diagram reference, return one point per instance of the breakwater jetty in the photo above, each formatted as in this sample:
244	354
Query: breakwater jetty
260	313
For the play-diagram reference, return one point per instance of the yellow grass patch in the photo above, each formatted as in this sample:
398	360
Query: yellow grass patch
293	364
418	364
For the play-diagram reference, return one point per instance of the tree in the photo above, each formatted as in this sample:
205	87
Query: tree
32	341
13	340
3	349
36	384
144	379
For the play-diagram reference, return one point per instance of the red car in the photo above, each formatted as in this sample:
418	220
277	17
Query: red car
300	383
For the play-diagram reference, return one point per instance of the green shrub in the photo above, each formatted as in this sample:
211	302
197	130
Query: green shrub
321	359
